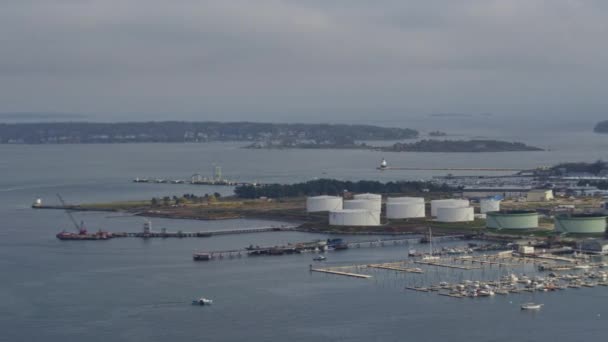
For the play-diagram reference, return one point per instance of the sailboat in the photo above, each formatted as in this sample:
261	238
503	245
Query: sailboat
430	256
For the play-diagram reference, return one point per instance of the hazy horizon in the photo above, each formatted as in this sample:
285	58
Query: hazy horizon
313	61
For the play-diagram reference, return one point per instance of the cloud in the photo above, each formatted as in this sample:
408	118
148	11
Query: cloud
239	57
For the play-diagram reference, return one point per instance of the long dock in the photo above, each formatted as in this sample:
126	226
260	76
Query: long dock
491	169
347	274
440	264
396	268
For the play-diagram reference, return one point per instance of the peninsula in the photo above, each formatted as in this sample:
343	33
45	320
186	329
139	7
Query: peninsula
460	146
419	146
196	132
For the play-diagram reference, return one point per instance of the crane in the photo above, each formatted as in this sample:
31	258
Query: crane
79	227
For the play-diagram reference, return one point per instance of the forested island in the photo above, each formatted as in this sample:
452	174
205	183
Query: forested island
460	146
601	127
179	131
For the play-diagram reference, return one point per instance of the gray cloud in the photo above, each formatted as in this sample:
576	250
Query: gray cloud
239	59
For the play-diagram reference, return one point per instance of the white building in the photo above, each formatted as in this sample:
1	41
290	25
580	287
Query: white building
539	195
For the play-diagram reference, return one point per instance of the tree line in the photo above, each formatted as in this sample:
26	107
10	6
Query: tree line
337	187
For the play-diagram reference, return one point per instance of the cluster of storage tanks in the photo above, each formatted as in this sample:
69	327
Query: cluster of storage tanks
528	219
365	209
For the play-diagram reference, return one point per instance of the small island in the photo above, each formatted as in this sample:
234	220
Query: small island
437	134
601	127
460	146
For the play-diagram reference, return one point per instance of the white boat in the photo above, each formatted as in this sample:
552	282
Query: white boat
319	258
202	301
531	306
582	267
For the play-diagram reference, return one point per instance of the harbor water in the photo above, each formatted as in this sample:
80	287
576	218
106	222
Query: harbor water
141	290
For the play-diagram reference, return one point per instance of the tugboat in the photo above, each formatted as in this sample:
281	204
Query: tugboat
202	301
80	228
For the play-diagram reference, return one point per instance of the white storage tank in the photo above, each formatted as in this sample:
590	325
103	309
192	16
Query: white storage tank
489	204
455	214
402	210
448	203
368	196
405	199
323	203
354	217
371	205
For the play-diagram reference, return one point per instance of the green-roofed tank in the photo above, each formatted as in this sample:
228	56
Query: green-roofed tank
512	219
581	223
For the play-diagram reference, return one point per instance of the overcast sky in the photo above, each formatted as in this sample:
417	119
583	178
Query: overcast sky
296	60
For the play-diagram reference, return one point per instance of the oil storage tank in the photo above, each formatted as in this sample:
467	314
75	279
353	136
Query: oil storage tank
455	214
489	204
581	223
354	217
403	210
405	199
371	205
512	219
323	203
368	196
448	203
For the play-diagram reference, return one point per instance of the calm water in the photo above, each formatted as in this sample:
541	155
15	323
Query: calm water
135	290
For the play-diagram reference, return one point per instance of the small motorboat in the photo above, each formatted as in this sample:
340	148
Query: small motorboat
319	258
531	306
202	301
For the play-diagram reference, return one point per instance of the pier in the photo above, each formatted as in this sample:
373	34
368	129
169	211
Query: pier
441	264
335	272
489	169
391	267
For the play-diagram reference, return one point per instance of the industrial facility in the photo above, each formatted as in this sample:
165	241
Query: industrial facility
323	203
354	217
512	219
581	223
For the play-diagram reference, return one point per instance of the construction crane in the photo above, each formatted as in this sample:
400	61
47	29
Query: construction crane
79	227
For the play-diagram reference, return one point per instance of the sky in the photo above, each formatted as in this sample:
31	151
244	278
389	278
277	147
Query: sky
314	60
